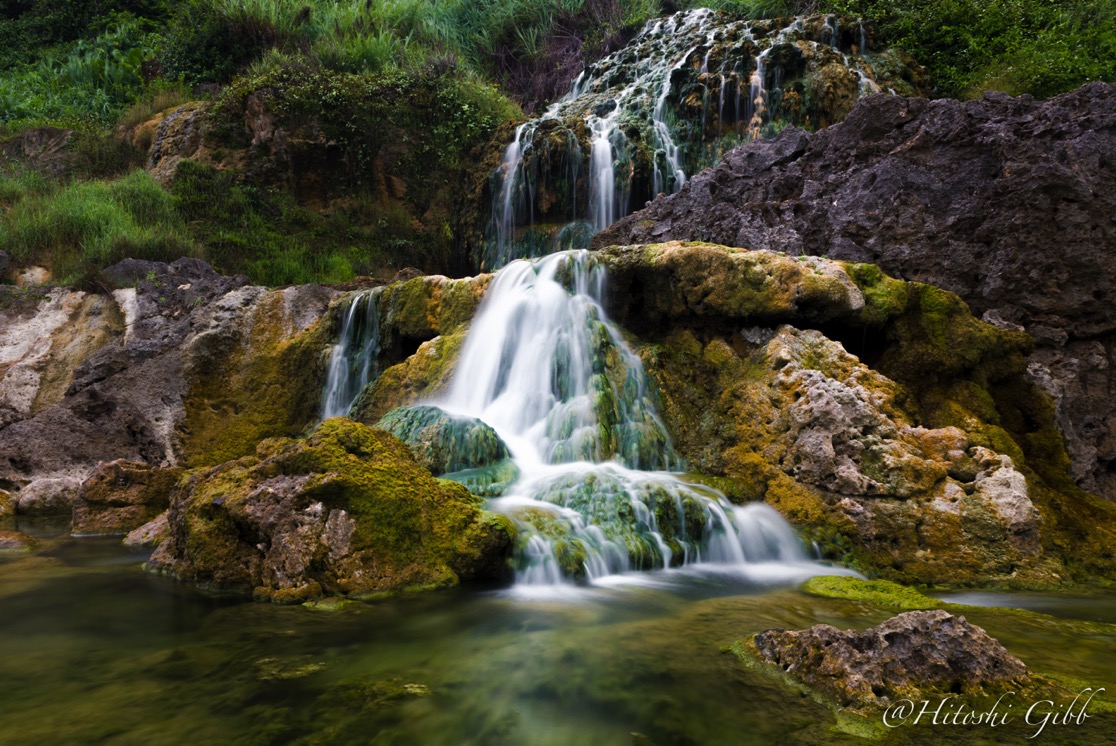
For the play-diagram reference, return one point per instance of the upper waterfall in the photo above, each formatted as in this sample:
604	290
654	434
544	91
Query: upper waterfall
642	120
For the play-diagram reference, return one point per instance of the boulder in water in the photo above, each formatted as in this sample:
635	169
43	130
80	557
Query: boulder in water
910	656
347	511
121	496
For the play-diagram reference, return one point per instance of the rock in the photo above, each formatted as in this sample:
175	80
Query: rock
39	351
1003	201
7	504
44	149
31	276
16	542
48	496
910	656
443	442
181	365
172	136
150	534
346	512
121	496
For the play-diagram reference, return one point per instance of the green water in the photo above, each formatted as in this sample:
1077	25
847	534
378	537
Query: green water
93	650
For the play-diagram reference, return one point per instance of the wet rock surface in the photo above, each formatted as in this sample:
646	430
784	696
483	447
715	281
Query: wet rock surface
909	656
1004	201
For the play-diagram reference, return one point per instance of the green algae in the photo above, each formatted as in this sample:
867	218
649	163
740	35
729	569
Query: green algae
881	593
445	443
394	526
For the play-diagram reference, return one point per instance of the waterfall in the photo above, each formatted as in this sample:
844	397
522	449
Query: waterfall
546	369
639	122
352	362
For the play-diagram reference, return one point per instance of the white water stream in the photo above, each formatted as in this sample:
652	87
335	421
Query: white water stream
545	368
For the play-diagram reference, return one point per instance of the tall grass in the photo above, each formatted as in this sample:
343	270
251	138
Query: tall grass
78	228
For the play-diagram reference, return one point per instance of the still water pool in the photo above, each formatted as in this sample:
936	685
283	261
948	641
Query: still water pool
94	650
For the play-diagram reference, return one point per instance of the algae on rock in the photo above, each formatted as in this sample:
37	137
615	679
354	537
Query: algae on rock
346	511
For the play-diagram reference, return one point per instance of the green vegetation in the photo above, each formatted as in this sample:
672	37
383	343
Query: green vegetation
96	66
79	227
1041	47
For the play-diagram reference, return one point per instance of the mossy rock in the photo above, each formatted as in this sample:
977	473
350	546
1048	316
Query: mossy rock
444	442
882	593
347	511
253	382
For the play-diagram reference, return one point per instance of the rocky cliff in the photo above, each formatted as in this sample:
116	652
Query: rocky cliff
1005	201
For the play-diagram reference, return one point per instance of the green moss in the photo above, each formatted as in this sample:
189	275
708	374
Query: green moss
422	375
884	297
410	531
882	593
259	384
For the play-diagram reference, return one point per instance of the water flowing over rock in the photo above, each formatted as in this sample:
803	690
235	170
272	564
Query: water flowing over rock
442	442
355	358
1004	201
642	120
544	367
910	656
800	382
179	366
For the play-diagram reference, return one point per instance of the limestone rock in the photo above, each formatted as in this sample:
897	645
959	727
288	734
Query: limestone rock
347	511
1003	201
910	656
150	534
178	365
121	496
49	496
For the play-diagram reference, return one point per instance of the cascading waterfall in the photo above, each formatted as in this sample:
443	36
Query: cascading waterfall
352	362
640	121
544	367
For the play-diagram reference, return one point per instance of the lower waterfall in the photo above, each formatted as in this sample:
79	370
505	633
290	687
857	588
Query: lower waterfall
595	494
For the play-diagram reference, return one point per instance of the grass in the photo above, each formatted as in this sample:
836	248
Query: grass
77	228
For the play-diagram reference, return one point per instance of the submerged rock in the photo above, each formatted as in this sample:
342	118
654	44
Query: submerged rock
1003	201
347	511
910	656
16	542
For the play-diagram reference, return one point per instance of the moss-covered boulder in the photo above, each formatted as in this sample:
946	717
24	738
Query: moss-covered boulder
346	511
443	442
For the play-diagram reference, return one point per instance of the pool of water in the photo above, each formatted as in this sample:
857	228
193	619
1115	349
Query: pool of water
94	650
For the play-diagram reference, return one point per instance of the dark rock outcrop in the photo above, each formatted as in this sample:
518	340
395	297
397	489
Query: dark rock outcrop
910	656
1005	201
